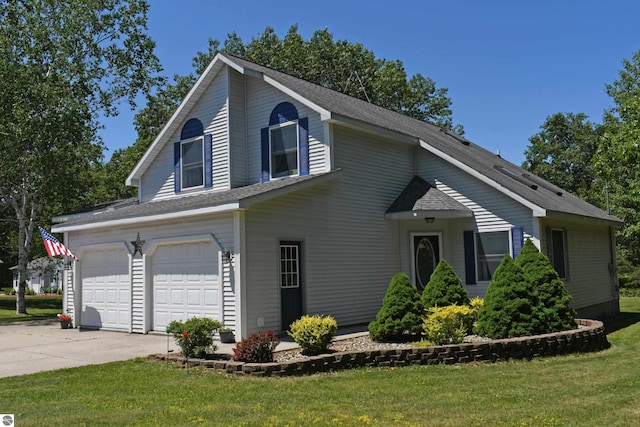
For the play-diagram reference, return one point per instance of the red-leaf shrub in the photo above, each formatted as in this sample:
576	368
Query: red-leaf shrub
256	348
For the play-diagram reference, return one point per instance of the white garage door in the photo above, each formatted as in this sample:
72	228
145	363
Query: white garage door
185	283
106	290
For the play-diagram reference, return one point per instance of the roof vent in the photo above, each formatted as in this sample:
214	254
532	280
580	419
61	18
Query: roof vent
544	184
515	176
455	136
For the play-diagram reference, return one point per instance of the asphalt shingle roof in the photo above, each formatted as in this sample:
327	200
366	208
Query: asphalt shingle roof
419	195
473	156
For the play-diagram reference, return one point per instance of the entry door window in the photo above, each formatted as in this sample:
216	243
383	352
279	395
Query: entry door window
426	256
289	265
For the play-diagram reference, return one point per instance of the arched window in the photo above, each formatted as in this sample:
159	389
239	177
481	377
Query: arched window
285	143
192	157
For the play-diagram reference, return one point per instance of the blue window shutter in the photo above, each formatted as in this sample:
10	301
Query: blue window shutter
266	154
208	161
469	258
176	167
303	141
517	241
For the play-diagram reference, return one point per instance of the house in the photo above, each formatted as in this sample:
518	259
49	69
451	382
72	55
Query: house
43	275
266	197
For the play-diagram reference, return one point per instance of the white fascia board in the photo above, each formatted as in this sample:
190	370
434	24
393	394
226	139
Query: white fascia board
537	210
229	207
206	78
324	113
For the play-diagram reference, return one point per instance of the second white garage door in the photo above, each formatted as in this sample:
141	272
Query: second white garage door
185	283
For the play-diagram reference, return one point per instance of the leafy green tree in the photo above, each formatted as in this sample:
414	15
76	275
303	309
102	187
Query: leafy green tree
563	152
62	64
553	311
618	154
509	305
444	288
401	313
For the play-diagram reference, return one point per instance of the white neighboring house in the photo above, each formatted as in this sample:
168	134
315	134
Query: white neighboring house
266	197
42	273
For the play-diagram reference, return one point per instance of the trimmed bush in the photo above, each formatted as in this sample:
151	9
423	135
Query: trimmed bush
509	305
553	311
401	313
444	288
256	348
195	336
449	324
313	333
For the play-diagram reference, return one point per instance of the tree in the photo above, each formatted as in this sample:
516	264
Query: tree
401	312
509	305
617	156
444	288
553	311
562	153
61	65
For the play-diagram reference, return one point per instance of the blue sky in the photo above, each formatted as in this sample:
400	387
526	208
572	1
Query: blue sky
507	64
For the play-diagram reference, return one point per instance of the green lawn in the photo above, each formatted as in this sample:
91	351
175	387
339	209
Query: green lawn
596	389
38	308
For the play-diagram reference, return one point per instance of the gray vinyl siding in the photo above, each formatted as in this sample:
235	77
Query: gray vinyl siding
237	130
158	181
590	281
349	249
262	98
492	210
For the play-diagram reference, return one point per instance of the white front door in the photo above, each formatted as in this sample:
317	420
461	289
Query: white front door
185	283
106	290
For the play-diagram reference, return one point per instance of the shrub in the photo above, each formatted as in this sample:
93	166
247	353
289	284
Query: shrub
508	309
256	348
444	288
195	336
553	312
449	324
401	313
313	333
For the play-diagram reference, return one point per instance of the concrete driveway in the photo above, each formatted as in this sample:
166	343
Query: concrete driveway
31	347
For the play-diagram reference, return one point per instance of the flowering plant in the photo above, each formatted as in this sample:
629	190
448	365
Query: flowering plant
64	317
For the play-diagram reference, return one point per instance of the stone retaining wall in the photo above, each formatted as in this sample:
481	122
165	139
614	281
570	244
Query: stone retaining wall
589	337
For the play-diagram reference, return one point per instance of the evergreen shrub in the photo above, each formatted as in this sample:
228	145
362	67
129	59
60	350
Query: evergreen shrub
257	347
313	333
553	311
449	324
509	305
401	313
444	288
195	336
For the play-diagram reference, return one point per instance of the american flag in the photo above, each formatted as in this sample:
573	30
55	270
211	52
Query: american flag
53	246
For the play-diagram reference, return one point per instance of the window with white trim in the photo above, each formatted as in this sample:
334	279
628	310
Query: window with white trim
284	149
289	265
192	169
558	251
490	249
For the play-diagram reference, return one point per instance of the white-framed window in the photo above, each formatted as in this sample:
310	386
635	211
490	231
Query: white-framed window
192	168
284	149
557	245
289	265
491	247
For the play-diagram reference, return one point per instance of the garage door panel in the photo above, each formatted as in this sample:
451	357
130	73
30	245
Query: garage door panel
185	283
106	289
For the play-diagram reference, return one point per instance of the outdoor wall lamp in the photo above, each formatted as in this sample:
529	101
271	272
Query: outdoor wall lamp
226	257
429	220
